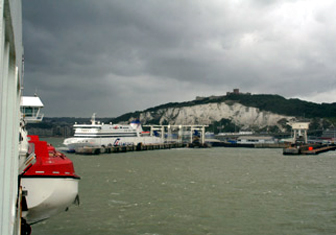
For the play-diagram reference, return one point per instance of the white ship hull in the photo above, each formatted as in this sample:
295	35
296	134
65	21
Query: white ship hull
73	143
99	134
48	196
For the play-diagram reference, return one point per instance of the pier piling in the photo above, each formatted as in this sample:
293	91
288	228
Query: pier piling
127	148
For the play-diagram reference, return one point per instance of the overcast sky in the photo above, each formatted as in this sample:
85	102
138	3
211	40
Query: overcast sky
117	56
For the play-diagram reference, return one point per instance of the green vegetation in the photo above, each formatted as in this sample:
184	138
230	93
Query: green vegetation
290	107
224	125
126	117
272	103
321	116
41	125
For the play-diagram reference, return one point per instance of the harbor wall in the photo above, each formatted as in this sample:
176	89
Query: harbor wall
127	148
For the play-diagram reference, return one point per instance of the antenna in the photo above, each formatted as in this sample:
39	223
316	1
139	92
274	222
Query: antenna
93	119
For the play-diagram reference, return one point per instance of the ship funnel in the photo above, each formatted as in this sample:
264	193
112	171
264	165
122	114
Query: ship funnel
136	124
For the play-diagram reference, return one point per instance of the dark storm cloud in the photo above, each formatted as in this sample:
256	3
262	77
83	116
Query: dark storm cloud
113	57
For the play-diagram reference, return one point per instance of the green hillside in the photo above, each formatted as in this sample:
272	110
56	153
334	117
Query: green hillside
322	116
291	107
272	103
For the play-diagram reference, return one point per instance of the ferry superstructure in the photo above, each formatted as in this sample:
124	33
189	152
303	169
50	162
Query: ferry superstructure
17	157
11	146
99	134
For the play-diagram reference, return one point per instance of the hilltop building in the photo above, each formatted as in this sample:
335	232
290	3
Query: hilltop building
213	97
237	92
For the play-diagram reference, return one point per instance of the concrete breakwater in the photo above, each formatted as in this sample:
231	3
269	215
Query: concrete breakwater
250	145
127	148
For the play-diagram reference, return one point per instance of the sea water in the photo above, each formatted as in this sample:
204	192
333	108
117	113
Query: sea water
200	191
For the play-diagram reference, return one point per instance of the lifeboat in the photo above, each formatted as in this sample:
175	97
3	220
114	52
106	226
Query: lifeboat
50	185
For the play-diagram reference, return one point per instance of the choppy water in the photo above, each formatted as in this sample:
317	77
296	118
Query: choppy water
201	191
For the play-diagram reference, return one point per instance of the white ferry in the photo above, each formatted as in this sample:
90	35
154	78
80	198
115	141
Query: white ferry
99	134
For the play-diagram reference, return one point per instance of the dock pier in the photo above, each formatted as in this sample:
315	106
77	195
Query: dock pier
300	145
127	148
309	149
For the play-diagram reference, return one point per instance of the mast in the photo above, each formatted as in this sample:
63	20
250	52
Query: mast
93	119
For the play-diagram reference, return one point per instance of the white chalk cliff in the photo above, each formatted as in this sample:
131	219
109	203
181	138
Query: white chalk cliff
243	116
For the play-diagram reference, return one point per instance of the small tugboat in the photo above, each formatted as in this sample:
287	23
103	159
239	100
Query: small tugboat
50	185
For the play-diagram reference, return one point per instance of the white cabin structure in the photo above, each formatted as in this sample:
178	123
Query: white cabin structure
300	130
31	109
